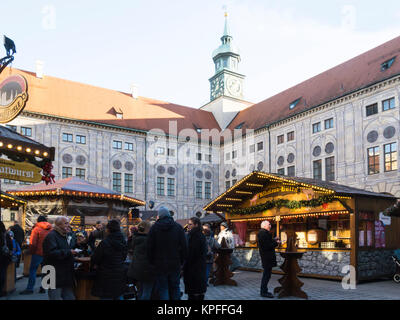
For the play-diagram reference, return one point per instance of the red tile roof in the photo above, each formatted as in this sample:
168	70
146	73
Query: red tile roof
343	79
68	99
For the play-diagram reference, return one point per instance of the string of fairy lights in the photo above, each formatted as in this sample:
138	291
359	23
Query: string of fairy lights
78	194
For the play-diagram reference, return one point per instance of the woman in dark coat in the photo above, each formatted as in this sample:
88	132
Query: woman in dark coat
194	270
140	268
108	260
4	259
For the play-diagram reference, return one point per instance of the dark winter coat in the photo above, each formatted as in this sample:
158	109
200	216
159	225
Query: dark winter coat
57	252
212	246
19	234
5	260
266	246
140	268
109	258
194	270
166	246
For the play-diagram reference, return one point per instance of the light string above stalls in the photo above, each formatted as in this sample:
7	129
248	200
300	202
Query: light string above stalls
279	203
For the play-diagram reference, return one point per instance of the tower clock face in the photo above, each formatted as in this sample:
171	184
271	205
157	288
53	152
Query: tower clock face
234	86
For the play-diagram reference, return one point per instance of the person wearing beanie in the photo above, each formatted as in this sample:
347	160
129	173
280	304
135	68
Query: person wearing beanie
108	260
39	233
166	252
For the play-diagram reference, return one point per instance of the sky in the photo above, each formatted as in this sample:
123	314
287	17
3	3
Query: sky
165	47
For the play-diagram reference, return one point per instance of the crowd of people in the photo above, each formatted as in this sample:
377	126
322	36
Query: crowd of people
154	257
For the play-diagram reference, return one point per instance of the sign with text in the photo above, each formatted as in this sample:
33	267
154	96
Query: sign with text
19	171
13	97
385	219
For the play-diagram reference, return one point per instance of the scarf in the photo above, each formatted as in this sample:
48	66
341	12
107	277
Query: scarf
60	231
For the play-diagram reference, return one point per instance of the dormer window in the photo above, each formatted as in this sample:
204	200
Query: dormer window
198	130
294	104
239	126
387	64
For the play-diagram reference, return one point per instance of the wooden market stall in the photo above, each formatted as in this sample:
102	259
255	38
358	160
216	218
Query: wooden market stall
336	226
75	197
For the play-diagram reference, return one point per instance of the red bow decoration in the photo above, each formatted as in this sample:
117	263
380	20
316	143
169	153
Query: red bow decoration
47	176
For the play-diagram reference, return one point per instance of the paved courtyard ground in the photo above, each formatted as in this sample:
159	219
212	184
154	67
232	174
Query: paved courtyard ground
248	289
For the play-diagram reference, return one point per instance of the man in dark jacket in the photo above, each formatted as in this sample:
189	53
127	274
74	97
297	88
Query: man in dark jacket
266	246
19	236
194	270
108	259
58	253
167	250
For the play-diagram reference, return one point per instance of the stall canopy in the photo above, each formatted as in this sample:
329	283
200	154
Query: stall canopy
74	197
260	184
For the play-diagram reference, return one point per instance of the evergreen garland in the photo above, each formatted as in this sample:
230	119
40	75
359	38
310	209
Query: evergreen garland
279	203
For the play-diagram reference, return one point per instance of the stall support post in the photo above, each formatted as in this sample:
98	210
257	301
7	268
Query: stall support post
277	219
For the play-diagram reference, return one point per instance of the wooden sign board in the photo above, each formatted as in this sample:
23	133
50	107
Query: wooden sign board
19	171
13	97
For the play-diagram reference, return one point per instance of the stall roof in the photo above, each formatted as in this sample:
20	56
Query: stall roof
13	142
74	187
256	181
10	201
212	217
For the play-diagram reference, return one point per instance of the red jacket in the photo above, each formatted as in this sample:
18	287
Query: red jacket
39	232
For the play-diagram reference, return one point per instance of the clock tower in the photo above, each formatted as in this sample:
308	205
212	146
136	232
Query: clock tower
226	81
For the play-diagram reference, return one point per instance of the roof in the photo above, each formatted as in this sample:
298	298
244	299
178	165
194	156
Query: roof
256	181
73	100
73	187
10	137
357	73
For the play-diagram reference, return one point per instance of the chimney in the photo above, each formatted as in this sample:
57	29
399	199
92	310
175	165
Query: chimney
134	91
39	69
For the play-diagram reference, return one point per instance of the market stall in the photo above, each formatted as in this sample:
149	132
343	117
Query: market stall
74	197
336	226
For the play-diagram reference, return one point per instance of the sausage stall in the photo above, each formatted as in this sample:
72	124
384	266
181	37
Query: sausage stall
336	225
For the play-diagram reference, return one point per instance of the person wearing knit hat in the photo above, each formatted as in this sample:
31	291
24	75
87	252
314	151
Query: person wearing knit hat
227	234
166	252
163	212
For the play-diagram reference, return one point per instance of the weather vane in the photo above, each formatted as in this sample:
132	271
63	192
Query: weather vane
9	45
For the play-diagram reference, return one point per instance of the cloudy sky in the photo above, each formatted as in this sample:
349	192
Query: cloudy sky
165	47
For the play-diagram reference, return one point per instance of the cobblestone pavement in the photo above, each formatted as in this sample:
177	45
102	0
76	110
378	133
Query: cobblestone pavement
249	286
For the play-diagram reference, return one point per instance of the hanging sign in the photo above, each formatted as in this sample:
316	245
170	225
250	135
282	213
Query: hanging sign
19	171
13	97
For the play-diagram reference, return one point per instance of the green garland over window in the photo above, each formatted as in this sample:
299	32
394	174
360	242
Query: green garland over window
279	203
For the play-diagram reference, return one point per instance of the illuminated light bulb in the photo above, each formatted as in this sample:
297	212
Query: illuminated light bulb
45	154
19	148
1	144
9	146
28	150
37	152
